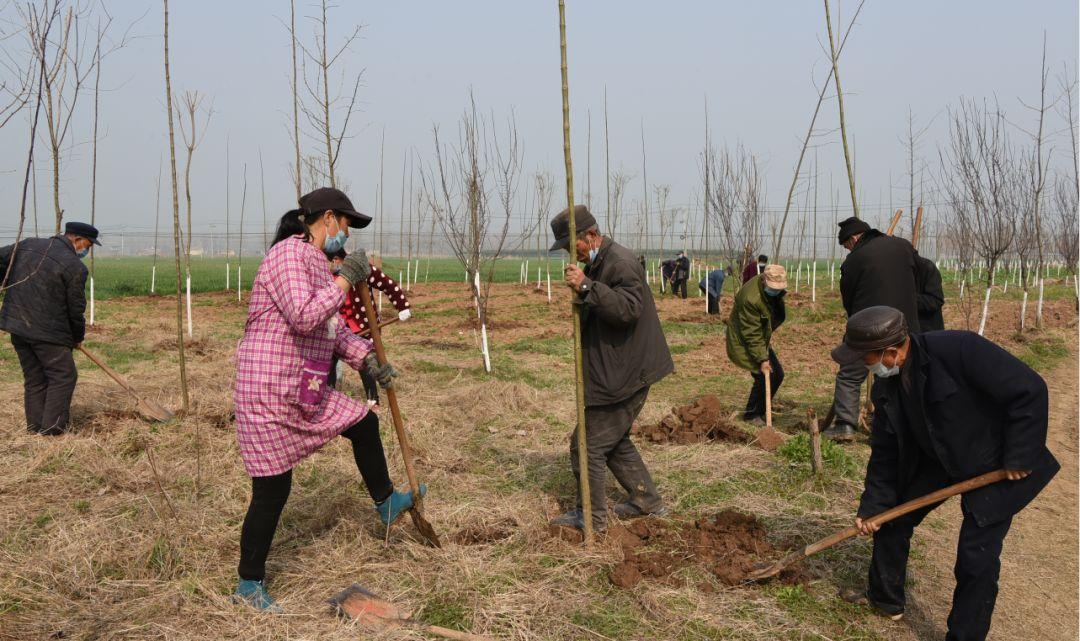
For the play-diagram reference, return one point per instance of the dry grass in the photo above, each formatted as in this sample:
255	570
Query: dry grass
90	547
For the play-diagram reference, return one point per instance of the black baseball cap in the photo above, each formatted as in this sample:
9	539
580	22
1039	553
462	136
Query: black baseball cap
86	230
324	198
560	225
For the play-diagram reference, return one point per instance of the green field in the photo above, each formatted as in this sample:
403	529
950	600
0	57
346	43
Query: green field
130	276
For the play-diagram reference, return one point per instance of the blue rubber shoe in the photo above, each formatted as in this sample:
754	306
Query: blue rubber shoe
254	593
392	506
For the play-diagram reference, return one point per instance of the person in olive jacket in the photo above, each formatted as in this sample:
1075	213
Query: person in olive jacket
43	311
756	313
624	352
949	406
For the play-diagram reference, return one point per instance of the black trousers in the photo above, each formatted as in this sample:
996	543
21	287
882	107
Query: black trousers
678	288
49	378
755	405
978	563
607	438
269	494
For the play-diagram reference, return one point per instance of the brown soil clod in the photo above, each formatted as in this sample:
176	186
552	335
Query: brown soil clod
700	421
729	545
768	439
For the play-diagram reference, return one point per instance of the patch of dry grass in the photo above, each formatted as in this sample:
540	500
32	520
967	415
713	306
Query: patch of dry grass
91	547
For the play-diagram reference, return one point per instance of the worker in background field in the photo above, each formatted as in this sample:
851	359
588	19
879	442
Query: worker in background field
284	409
879	270
43	311
949	406
680	275
753	268
757	312
667	274
623	353
355	316
929	295
712	286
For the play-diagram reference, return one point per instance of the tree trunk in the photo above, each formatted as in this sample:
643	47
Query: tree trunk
176	217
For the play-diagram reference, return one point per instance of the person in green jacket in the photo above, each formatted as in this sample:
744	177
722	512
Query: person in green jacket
757	312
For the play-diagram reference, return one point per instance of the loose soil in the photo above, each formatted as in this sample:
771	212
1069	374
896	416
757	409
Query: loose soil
700	421
728	545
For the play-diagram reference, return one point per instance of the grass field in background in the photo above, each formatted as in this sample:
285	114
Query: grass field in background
130	276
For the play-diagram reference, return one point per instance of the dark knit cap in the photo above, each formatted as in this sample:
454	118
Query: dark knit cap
850	227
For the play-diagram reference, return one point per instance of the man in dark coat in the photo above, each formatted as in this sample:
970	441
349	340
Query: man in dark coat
949	406
681	275
43	311
880	270
624	352
929	295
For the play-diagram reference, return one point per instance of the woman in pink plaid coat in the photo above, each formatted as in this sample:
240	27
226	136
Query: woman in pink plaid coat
284	409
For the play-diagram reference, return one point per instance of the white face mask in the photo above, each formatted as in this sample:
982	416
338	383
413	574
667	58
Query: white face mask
592	255
878	369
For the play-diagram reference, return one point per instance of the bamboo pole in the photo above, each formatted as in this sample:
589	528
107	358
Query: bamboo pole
176	217
840	103
579	375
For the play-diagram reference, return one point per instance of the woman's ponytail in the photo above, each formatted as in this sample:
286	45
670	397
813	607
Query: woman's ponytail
291	224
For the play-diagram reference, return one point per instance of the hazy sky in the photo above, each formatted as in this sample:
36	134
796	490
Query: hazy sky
757	62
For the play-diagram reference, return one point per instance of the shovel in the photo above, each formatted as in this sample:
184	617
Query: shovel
768	400
361	605
416	511
880	519
146	408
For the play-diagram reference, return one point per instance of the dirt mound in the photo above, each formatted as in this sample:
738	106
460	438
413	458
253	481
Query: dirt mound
479	533
728	545
697	422
768	439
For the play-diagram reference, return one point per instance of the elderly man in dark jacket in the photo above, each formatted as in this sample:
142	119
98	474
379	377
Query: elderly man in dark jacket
949	406
43	311
623	352
880	270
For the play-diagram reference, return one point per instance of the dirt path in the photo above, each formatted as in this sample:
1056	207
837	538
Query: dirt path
1038	587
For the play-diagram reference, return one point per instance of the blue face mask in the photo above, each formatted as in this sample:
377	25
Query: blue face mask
880	370
592	254
769	291
336	243
83	253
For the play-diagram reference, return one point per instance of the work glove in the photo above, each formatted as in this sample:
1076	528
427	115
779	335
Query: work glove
355	268
404	315
384	374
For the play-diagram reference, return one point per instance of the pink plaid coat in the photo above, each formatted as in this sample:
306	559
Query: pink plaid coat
292	318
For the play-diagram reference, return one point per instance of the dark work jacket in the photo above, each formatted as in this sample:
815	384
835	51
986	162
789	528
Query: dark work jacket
682	269
623	346
45	300
930	297
984	410
880	271
750	271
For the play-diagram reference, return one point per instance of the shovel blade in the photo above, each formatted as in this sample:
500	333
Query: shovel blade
360	604
424	528
152	411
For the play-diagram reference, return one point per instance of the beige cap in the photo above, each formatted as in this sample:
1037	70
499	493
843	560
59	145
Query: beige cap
775	276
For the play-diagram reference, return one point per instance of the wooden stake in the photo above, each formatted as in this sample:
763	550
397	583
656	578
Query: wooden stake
816	463
579	375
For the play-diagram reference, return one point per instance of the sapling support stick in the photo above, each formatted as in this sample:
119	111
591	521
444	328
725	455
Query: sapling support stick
579	375
985	311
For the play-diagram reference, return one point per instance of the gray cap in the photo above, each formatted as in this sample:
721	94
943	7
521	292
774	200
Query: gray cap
560	225
870	330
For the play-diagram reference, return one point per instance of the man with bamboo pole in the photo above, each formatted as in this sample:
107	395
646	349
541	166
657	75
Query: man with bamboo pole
624	352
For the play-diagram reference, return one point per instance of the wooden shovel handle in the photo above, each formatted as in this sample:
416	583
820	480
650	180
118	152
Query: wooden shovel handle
367	332
906	508
113	374
768	400
895	221
391	396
